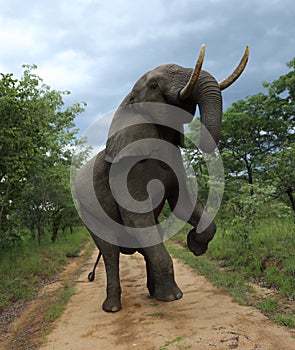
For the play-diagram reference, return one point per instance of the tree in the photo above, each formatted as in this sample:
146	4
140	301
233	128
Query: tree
250	132
280	173
282	94
37	135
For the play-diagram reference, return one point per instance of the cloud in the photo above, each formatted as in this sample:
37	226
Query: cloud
67	68
17	41
98	49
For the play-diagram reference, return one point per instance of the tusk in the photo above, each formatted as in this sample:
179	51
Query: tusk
186	92
237	72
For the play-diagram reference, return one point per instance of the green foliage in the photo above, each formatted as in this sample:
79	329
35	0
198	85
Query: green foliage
280	172
256	238
282	94
37	135
251	131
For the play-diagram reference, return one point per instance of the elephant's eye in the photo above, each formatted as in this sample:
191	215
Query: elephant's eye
153	85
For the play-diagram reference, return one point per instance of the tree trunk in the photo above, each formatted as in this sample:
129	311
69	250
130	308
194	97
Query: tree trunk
40	229
4	202
32	230
249	174
56	224
54	231
289	192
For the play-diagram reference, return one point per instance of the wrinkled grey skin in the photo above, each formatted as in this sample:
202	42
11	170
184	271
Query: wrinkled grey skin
160	85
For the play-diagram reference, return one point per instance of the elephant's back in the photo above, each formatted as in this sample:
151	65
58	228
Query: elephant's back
90	180
83	185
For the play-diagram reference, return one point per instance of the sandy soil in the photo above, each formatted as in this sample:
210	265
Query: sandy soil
205	318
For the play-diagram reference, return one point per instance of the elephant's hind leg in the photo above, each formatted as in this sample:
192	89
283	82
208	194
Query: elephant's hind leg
111	254
149	274
112	302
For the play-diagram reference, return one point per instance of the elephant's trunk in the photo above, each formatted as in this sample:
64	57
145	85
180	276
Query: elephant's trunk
208	97
204	91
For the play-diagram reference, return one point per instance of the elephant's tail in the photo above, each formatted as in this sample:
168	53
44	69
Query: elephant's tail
91	275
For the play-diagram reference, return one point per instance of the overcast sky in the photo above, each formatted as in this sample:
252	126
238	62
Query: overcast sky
97	49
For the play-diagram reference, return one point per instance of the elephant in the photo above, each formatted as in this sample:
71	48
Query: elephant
166	86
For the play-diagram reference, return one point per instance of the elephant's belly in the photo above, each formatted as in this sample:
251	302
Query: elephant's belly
128	251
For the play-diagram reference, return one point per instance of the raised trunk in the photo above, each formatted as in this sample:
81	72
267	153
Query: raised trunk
208	97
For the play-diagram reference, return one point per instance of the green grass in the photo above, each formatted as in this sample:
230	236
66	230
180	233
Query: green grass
239	256
57	306
24	268
233	282
175	344
265	253
273	308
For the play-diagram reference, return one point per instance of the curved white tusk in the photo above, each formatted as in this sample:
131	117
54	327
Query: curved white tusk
187	90
237	72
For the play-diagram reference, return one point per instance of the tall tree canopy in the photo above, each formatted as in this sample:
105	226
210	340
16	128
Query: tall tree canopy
37	134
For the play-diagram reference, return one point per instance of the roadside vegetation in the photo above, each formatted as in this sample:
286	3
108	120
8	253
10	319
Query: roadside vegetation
259	272
39	225
27	267
38	138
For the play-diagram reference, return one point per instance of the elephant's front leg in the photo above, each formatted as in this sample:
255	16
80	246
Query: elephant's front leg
160	274
199	237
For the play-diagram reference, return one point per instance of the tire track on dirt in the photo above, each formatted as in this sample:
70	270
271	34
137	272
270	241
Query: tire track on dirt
204	318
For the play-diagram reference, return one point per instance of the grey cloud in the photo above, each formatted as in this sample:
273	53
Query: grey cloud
116	42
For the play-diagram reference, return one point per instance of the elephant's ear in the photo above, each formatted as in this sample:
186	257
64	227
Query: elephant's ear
127	127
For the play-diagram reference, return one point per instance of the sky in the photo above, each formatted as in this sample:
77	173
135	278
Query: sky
98	49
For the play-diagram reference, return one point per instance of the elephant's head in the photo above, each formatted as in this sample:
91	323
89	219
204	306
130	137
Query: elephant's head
184	88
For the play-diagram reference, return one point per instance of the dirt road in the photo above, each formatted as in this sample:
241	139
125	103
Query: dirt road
204	318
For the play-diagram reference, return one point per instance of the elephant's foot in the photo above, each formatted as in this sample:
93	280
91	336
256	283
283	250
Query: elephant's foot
168	291
198	242
195	246
112	303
